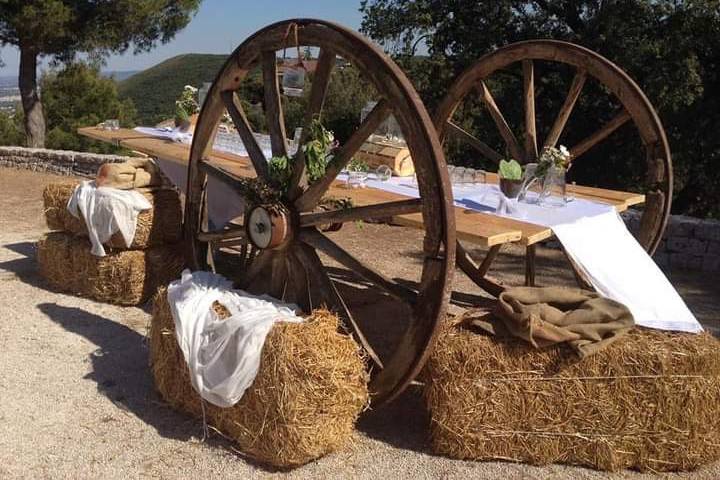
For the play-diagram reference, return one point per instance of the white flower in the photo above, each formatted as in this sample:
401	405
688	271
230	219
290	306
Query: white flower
564	151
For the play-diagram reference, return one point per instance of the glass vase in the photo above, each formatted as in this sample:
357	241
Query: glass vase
554	188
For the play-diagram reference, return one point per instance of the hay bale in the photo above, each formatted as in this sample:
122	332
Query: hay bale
651	401
303	404
160	225
126	277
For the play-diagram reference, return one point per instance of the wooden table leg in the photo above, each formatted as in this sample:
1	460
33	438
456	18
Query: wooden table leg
530	265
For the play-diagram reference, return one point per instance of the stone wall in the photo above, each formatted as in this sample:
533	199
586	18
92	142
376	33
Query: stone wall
688	244
62	162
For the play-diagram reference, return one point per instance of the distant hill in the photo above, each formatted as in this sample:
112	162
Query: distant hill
154	90
119	75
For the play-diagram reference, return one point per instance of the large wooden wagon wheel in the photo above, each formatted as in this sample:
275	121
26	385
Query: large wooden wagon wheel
286	235
633	107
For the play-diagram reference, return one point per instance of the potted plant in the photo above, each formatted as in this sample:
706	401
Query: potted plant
185	106
511	178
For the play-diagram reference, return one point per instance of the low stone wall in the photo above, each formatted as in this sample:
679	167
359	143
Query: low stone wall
62	162
688	244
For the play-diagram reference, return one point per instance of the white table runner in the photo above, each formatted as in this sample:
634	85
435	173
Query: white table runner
598	241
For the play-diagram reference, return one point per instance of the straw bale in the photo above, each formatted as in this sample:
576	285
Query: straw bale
303	404
125	277
651	401
160	225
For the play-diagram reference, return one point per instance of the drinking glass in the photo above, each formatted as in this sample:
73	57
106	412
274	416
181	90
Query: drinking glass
356	179
383	173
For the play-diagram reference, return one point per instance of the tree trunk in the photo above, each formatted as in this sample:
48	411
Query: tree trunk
34	118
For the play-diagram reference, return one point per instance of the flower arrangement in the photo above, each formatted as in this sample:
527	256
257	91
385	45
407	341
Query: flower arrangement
186	105
188	100
355	165
552	157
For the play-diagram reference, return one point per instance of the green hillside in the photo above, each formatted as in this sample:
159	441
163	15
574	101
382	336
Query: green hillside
154	90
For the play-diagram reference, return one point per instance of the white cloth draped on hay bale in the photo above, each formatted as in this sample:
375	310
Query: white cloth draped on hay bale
223	354
105	211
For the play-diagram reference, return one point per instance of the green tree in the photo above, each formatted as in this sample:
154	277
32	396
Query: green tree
60	29
670	47
78	96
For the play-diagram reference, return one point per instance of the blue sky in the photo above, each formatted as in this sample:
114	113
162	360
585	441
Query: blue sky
219	26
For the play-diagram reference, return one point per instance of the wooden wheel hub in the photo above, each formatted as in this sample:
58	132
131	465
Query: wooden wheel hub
268	227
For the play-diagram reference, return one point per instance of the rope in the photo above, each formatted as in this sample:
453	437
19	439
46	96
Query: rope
294	27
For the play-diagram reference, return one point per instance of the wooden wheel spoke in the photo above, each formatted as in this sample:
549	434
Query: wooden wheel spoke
372	121
321	80
617	121
501	123
463	135
258	265
367	212
529	94
576	87
312	264
242	125
273	106
320	242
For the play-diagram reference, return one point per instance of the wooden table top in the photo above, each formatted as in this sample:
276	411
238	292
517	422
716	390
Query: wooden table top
476	227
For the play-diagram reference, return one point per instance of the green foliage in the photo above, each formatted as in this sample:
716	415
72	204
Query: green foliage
510	170
78	96
316	150
355	165
11	130
63	28
181	115
188	100
670	48
155	90
280	171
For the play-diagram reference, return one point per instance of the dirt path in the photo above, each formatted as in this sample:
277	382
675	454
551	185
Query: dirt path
77	401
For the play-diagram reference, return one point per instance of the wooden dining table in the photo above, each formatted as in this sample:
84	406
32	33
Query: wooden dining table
483	229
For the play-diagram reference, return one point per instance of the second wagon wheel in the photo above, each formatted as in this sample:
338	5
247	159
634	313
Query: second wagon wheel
283	226
590	74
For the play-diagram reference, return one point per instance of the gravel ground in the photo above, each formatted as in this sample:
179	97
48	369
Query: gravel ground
77	401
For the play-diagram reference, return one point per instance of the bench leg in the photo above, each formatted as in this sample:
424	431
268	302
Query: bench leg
476	272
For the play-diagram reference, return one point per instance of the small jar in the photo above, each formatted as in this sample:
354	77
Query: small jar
554	188
356	179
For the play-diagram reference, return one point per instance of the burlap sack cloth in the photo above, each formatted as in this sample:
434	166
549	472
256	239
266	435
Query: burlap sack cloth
135	173
550	315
